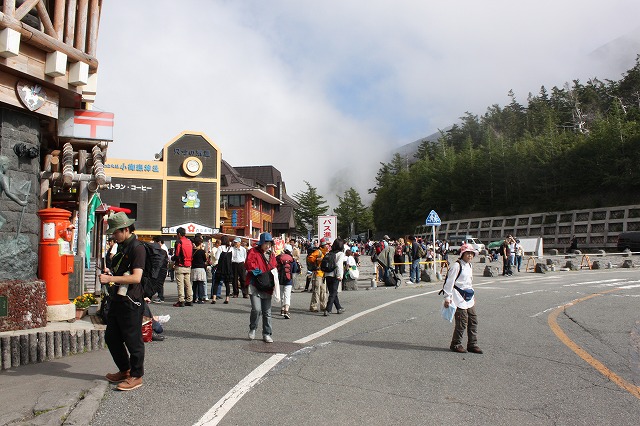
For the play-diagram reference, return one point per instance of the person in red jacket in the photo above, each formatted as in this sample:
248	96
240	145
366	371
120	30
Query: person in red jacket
260	260
182	257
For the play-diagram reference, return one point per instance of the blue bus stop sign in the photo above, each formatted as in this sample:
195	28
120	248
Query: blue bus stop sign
433	219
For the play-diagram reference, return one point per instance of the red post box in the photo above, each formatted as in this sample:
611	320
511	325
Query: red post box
55	259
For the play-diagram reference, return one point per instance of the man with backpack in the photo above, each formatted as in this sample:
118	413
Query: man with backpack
413	249
182	257
319	287
123	335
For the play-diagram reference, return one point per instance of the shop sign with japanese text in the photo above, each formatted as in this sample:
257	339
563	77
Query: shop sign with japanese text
328	227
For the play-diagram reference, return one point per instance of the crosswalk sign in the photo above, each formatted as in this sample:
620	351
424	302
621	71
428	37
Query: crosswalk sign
433	219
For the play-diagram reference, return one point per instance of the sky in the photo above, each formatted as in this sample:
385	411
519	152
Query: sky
325	90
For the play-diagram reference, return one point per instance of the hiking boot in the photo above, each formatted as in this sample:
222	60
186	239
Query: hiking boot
475	350
157	337
118	377
178	304
458	349
252	334
188	304
267	338
130	384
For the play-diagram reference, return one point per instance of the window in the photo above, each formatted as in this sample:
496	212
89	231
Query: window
255	203
266	207
233	200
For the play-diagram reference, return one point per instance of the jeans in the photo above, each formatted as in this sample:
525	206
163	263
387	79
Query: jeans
414	275
332	286
260	305
199	292
518	262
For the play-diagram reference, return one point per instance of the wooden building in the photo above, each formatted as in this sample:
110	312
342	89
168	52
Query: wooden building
254	200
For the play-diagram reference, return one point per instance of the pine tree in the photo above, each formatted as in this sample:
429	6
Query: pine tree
312	205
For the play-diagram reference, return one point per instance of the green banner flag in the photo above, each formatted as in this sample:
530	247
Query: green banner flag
91	221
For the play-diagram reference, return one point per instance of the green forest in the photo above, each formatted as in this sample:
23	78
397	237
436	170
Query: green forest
574	147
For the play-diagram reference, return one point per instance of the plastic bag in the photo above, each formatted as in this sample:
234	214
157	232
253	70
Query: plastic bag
276	288
448	313
354	273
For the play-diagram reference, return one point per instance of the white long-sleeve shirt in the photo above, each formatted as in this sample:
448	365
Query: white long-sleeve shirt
464	282
239	254
339	271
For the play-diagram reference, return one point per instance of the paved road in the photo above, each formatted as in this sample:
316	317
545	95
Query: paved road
386	360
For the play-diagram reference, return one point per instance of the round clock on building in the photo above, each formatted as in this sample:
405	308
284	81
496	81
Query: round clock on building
192	166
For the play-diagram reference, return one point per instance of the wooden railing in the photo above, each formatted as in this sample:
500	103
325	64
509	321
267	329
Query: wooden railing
73	30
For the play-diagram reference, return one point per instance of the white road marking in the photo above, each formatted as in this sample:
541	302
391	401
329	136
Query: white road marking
521	294
226	403
594	282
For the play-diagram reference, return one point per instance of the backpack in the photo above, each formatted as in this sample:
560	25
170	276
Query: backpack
328	263
421	251
311	266
285	268
155	269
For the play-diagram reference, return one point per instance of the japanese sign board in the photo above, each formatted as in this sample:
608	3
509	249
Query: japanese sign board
328	227
191	228
84	124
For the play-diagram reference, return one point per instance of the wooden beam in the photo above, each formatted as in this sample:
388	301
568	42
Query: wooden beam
44	18
94	22
70	26
81	25
26	7
47	43
9	7
58	18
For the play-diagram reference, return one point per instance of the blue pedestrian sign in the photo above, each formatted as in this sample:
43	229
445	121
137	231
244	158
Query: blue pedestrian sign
433	219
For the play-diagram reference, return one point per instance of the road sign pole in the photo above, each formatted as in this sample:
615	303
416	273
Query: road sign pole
433	228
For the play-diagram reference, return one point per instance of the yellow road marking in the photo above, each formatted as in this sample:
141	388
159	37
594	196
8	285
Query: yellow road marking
600	367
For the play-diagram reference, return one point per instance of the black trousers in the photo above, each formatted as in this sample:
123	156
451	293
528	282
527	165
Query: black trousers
238	278
332	288
124	335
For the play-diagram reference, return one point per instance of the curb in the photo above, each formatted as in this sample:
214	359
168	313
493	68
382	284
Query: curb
30	347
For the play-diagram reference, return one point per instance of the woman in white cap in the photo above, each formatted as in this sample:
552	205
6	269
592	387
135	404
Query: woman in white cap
458	289
285	276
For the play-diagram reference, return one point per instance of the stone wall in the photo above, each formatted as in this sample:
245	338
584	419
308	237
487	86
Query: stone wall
26	305
18	127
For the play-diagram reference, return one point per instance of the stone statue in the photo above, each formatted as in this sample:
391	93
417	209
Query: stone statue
5	186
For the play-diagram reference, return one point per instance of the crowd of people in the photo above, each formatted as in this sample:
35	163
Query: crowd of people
262	273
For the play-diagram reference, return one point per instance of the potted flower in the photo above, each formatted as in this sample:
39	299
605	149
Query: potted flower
83	302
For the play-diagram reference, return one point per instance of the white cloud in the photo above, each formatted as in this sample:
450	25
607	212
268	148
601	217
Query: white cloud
320	89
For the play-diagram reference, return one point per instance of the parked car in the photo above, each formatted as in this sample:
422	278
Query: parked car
455	241
629	240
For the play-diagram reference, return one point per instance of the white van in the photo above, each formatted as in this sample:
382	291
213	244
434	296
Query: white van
455	241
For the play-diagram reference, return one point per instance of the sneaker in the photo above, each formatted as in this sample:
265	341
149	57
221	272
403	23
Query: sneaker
157	337
118	377
252	334
326	313
130	384
178	304
206	299
200	302
156	300
188	304
410	282
267	338
162	319
286	315
339	311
